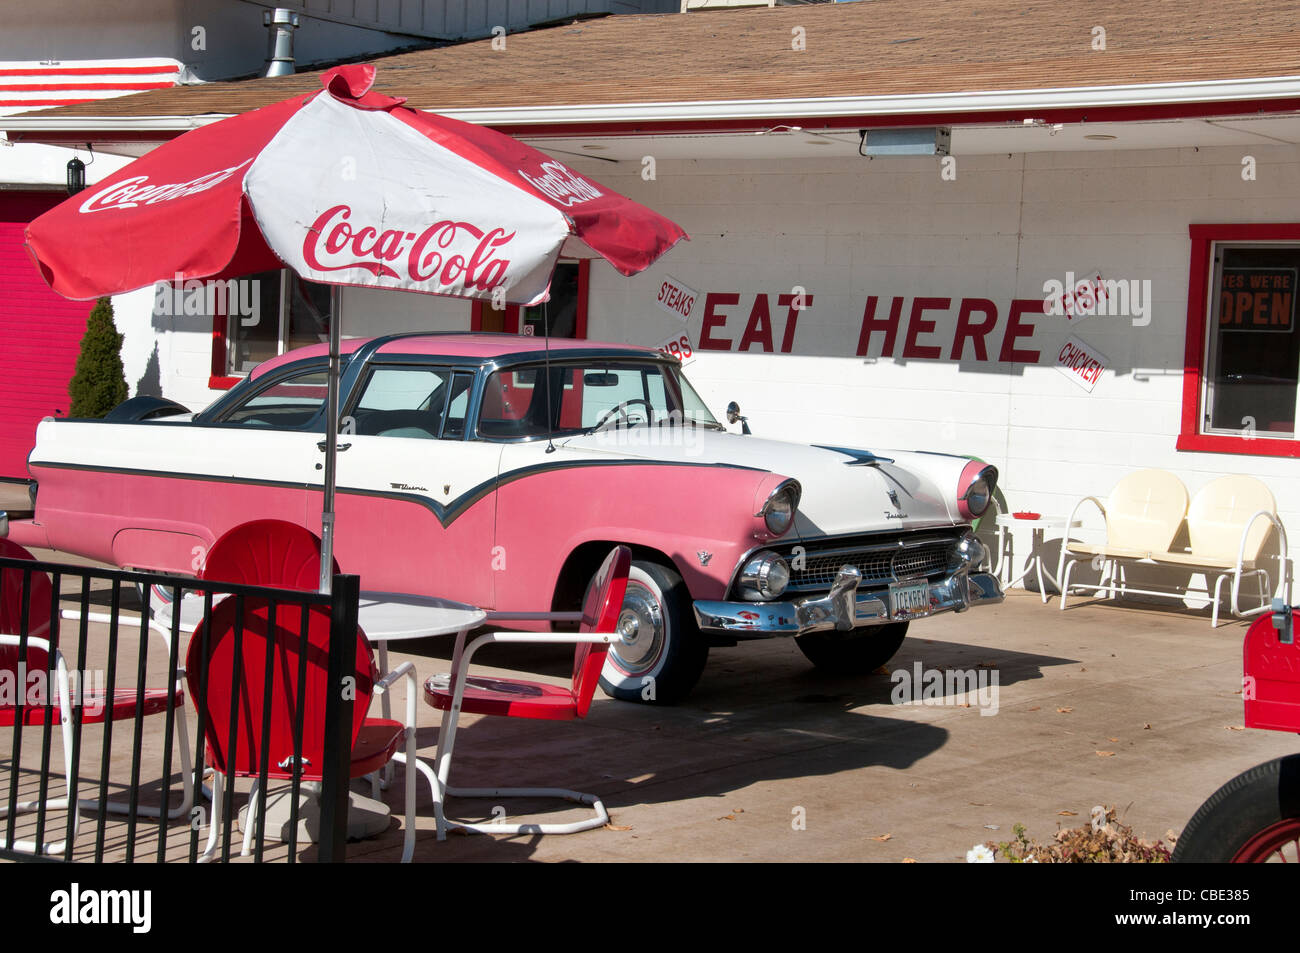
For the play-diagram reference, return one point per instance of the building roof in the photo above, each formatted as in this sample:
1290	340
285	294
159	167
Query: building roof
873	48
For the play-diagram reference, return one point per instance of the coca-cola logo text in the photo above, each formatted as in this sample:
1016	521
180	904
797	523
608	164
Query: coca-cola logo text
436	254
563	184
128	193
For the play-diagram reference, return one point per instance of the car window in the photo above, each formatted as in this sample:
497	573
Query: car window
454	425
402	402
588	395
287	404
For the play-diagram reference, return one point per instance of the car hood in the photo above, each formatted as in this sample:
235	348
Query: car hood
845	490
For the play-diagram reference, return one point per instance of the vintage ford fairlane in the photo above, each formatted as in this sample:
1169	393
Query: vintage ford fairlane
485	469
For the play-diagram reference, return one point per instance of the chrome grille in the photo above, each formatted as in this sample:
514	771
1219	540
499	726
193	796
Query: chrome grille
879	565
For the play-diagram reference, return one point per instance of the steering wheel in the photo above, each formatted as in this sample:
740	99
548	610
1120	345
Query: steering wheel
621	410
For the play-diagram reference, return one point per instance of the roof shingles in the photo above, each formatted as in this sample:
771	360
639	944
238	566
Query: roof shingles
872	47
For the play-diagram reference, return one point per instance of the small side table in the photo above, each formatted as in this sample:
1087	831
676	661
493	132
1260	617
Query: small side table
1040	527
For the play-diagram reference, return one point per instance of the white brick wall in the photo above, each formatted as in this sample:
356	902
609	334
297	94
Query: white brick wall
847	228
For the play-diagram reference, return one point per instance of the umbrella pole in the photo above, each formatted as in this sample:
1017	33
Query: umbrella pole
331	443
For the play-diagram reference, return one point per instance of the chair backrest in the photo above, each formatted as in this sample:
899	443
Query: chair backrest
266	553
600	612
1145	511
39	591
288	695
1218	514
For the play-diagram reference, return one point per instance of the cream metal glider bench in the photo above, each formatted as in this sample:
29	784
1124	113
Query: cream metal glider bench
1227	526
1227	523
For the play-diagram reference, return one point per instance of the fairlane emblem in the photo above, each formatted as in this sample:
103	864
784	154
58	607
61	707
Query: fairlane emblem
893	498
704	556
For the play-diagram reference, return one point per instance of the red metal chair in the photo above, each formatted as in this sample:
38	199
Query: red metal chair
93	704
242	678
14	669
517	698
266	553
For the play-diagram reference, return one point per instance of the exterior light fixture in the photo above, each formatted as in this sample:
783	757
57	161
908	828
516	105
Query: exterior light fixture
77	171
917	141
76	175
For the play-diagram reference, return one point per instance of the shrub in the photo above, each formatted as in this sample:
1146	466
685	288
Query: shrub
99	383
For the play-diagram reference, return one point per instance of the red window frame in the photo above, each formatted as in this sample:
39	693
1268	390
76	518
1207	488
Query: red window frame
510	323
1198	295
218	379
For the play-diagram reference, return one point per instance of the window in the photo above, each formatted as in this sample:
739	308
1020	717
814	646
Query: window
587	396
417	402
249	324
565	315
290	403
1241	387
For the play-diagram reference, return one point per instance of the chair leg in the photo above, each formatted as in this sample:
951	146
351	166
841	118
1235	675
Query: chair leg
446	744
446	747
1218	597
187	783
1064	577
412	762
214	822
64	846
250	819
599	819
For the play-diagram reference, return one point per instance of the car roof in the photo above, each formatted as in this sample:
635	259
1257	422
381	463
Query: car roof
472	346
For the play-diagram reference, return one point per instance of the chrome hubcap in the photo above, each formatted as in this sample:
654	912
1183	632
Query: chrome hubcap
640	630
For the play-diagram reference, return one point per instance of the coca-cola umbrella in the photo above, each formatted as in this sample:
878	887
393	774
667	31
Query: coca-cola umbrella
349	187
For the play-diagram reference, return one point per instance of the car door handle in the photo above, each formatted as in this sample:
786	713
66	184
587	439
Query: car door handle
339	448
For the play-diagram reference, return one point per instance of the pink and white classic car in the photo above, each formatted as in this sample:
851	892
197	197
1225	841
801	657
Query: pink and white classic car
479	468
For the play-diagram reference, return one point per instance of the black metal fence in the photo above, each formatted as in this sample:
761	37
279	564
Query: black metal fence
81	691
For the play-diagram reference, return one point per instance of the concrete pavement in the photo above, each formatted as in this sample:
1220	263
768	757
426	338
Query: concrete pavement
1130	705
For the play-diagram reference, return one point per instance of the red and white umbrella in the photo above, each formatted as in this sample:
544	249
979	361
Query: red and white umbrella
349	187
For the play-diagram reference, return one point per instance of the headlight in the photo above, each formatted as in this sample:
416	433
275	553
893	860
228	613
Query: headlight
975	489
764	577
778	511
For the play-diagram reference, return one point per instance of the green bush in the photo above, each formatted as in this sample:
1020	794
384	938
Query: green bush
99	384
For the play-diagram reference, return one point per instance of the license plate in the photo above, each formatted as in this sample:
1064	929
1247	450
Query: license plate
909	600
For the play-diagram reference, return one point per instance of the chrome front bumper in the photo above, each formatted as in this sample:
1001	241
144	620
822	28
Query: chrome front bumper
843	608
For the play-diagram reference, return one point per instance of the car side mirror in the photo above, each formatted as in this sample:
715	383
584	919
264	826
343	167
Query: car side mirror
733	415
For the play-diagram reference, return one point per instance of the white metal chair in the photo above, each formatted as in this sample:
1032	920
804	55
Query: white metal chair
37	659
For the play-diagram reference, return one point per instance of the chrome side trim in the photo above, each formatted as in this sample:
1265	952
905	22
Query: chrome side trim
4	524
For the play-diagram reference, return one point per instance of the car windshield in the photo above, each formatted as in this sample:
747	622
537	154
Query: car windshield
589	396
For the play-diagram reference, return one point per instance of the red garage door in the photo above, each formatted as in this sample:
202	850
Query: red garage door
40	335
